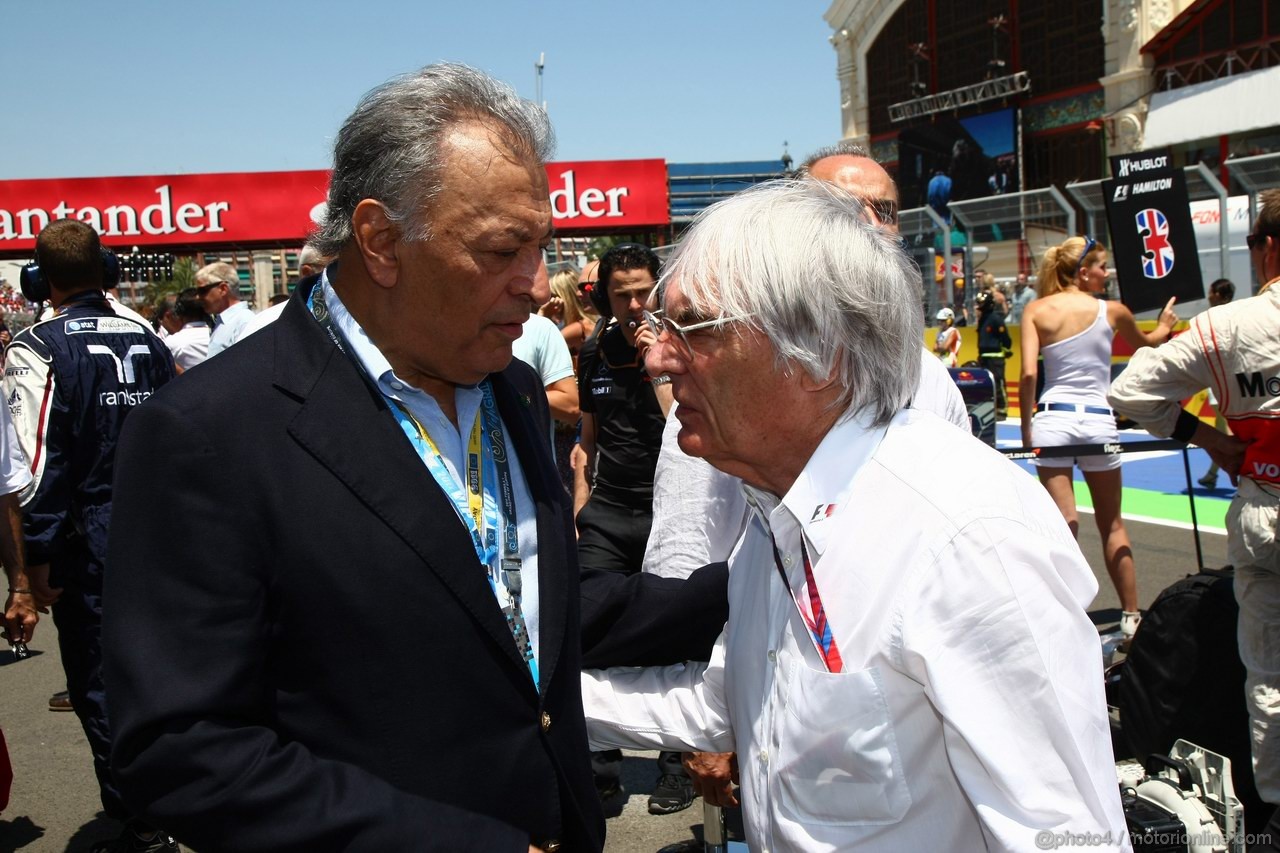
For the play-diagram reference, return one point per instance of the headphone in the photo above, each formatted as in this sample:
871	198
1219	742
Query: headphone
35	287
600	293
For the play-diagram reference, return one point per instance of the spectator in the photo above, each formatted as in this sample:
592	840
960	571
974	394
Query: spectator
218	289
541	346
623	410
946	344
71	382
182	316
925	740
1022	296
575	319
363	661
21	608
1229	349
994	346
1072	326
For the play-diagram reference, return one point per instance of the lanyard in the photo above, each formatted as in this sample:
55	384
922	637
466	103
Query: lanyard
488	474
816	618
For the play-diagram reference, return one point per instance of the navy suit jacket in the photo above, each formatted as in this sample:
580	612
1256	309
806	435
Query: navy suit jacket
301	650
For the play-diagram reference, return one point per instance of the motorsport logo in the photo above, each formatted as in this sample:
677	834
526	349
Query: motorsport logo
15	404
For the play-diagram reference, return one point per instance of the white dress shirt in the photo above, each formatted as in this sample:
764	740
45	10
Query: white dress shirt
969	714
190	344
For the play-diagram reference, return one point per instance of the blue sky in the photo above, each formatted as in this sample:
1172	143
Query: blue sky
140	87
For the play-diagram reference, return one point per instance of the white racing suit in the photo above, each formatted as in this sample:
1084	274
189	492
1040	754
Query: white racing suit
1234	350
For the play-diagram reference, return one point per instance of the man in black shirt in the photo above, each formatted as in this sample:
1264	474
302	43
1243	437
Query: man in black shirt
623	413
993	345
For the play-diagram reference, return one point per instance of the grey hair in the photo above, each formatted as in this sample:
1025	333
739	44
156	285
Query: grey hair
311	256
835	295
843	148
390	148
219	271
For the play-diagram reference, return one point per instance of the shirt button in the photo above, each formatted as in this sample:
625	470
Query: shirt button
786	561
396	386
773	656
546	721
764	756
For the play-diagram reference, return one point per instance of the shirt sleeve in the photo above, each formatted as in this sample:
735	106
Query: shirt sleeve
1151	389
557	362
41	420
677	707
14	469
996	632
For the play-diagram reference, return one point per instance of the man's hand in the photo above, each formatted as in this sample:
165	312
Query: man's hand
45	595
20	617
645	338
1228	454
552	309
713	775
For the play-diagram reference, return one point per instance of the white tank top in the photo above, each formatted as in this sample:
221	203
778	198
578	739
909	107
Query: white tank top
1078	369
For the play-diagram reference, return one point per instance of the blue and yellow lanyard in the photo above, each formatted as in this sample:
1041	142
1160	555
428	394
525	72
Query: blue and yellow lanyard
475	504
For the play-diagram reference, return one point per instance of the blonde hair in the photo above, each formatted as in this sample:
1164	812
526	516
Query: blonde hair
565	285
1061	263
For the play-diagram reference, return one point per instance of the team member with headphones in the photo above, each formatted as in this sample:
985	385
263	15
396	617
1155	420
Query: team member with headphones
70	382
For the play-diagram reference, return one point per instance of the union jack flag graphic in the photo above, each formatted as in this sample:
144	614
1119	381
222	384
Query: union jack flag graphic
1157	253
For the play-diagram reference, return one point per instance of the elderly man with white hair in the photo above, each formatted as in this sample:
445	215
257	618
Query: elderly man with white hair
898	672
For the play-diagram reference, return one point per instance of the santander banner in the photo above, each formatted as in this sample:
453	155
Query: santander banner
283	207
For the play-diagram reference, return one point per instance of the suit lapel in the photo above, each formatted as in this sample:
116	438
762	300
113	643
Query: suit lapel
345	425
544	487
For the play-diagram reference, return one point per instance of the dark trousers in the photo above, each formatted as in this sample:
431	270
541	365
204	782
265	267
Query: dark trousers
78	616
996	366
612	536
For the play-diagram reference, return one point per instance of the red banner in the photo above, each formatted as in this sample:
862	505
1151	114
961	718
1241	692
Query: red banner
615	194
283	207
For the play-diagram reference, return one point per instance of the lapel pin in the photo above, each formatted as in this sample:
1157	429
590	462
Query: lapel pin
524	398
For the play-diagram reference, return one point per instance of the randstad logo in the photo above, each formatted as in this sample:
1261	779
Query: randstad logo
122	398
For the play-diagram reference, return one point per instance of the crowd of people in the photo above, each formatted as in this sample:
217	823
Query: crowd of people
457	529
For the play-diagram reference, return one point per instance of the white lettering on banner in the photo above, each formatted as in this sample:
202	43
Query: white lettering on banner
1153	186
567	203
123	220
1146	164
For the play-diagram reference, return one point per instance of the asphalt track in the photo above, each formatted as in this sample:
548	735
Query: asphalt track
54	806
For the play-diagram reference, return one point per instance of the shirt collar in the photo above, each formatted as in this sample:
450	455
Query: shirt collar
376	366
369	357
826	481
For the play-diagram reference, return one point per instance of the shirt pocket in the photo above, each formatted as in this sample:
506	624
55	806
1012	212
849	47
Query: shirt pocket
839	759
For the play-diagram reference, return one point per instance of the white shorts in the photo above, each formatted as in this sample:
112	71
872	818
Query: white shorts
1055	429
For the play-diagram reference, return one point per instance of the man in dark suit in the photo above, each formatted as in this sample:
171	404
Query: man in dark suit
363	632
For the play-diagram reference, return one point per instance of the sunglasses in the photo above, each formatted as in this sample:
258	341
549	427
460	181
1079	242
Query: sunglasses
1089	245
1256	241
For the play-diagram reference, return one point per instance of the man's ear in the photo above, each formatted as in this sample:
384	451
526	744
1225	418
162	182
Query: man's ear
808	383
377	239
